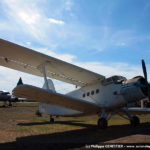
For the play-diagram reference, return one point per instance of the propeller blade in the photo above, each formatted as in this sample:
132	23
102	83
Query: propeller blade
144	70
148	92
145	76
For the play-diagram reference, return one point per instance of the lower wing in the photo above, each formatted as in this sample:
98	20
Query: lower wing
49	97
139	111
136	111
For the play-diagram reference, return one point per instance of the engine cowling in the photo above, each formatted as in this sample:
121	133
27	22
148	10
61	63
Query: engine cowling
134	89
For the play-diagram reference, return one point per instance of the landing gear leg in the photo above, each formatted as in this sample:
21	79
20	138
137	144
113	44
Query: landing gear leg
51	119
4	104
10	104
102	121
38	113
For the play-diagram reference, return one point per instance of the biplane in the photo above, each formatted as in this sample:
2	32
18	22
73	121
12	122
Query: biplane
96	93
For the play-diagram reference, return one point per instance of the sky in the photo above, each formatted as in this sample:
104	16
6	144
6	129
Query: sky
109	37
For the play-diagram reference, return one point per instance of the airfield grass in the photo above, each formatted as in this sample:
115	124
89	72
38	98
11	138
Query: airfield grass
19	123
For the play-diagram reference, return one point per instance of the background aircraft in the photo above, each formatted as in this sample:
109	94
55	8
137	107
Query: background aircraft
96	95
8	99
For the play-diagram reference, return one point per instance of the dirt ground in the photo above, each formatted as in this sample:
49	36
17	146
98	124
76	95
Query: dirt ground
21	129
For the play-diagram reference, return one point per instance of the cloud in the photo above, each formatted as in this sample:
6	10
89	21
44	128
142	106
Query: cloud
51	20
56	27
9	79
28	18
120	44
24	17
110	69
68	5
28	43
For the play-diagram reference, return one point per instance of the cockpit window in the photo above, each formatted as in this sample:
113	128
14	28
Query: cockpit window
114	79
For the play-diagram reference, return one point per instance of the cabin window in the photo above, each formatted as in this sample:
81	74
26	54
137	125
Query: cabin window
92	93
88	93
83	95
97	91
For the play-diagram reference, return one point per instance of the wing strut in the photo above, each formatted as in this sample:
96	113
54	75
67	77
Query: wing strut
42	69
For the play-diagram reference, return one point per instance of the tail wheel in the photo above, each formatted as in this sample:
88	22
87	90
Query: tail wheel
38	114
102	123
51	120
10	105
135	121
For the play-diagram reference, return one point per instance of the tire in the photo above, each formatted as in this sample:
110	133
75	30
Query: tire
102	123
10	105
135	121
51	120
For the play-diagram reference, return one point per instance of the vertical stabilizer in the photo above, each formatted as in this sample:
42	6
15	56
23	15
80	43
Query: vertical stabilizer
50	85
20	82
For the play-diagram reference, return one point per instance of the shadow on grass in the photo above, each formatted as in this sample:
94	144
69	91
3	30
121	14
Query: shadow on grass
75	138
34	123
71	122
17	106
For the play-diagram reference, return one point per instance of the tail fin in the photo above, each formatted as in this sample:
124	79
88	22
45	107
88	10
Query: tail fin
50	85
20	82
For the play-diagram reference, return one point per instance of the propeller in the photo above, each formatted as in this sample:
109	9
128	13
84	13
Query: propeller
146	81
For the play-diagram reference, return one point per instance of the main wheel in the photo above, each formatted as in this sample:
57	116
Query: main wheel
102	123
51	120
135	121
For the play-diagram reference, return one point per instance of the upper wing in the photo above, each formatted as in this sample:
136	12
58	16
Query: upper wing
49	97
29	61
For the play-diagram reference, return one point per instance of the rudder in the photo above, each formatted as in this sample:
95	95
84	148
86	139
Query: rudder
50	85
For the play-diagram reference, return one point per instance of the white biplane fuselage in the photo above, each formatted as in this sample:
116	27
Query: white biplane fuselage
113	92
